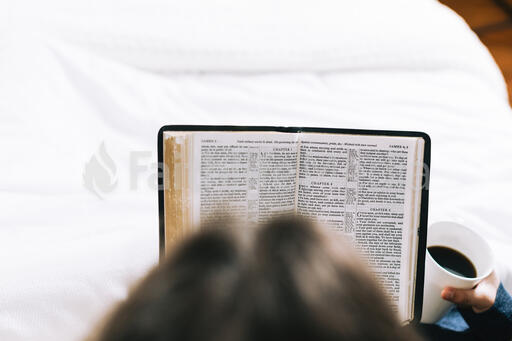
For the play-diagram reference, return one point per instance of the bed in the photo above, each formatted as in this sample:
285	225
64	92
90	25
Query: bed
85	86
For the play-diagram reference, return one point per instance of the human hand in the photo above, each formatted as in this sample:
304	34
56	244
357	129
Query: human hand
480	298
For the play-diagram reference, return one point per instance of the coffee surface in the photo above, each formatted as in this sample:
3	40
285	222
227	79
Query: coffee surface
453	261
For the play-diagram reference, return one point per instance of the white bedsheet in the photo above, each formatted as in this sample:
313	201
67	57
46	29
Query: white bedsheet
78	75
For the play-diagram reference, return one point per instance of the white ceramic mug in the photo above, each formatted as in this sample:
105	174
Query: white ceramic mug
465	241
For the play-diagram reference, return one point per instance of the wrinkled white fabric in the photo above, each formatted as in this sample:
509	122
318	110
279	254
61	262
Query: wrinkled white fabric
85	86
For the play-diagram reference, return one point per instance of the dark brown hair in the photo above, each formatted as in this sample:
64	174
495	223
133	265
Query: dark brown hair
286	280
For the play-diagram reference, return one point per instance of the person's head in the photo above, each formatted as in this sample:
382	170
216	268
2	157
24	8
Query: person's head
286	280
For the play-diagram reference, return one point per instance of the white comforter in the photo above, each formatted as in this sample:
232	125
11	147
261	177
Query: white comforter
85	85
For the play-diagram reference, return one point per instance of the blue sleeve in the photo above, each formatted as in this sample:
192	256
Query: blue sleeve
465	324
450	327
492	324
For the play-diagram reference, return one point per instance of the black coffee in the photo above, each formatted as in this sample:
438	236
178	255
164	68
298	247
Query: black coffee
453	261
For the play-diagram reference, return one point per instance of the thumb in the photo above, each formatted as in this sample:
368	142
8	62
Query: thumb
458	296
467	297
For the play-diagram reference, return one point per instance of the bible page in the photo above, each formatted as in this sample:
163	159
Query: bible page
248	175
365	187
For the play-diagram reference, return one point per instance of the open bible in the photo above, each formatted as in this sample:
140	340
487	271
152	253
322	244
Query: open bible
371	186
